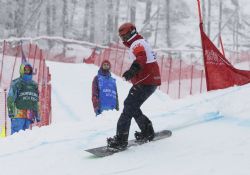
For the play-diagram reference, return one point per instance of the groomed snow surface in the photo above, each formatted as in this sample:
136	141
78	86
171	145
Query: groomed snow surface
211	133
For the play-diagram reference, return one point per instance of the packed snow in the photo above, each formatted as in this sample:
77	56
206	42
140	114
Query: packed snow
211	133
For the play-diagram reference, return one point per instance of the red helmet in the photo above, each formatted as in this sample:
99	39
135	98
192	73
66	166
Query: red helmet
126	31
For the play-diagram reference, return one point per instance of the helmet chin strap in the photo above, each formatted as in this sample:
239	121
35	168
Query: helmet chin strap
127	43
132	37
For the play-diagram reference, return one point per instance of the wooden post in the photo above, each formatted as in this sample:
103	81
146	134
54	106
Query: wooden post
201	81
179	92
191	87
117	45
123	57
169	74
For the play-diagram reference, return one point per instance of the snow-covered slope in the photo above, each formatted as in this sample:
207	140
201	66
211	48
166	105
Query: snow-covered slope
211	133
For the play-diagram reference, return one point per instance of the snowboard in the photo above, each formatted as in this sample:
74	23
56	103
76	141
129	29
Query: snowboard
104	151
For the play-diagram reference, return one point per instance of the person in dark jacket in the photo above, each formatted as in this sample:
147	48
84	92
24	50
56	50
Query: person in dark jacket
104	90
145	76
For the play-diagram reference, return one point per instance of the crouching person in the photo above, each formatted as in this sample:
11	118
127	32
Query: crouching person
22	101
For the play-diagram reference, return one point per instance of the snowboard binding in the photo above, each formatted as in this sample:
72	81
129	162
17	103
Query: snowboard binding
146	135
142	137
116	143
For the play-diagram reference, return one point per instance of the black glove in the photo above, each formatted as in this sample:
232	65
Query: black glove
133	70
128	75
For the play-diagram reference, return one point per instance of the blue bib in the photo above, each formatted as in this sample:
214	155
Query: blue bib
107	92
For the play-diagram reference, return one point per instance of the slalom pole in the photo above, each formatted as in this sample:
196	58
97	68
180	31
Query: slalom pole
13	70
1	73
222	48
24	60
5	113
202	44
199	11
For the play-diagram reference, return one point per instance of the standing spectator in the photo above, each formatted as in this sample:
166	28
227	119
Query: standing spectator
145	76
104	90
23	99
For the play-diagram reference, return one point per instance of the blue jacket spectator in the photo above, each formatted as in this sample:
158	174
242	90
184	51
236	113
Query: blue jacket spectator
104	90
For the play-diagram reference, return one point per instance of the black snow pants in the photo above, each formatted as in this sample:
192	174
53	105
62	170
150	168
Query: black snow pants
138	94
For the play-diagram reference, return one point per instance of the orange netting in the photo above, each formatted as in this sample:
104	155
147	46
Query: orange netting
9	69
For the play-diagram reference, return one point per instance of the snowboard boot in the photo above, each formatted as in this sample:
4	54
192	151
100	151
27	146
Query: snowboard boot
146	135
118	142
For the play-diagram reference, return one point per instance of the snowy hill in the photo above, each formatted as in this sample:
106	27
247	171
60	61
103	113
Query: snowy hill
211	133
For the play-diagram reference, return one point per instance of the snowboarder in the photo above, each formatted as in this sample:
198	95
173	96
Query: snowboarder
104	90
145	76
22	101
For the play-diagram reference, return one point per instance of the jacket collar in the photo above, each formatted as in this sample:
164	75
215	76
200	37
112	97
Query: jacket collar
104	73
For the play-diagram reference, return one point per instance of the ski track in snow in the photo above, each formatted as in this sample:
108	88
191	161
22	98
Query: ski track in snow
203	119
67	109
206	118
